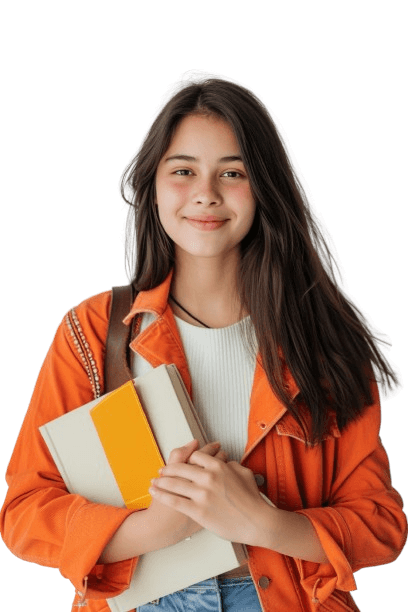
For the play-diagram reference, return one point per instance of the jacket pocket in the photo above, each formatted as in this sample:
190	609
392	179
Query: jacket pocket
289	426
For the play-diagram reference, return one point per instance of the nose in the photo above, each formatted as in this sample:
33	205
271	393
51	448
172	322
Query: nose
206	192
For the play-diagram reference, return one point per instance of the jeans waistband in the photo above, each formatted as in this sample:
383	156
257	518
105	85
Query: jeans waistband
215	583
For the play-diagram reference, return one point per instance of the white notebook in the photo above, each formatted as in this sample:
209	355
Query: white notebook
79	455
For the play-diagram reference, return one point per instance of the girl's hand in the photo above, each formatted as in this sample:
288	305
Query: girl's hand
175	525
222	497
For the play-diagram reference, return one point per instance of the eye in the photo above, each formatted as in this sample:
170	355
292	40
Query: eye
232	174
227	174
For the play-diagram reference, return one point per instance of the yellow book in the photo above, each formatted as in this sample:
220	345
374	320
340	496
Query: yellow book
129	444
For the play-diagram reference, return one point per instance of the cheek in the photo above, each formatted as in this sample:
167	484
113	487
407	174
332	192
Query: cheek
243	192
244	199
170	191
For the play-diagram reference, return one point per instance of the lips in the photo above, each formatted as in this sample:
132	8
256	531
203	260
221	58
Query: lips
206	219
206	225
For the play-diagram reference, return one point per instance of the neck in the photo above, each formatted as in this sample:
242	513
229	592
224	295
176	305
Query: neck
207	292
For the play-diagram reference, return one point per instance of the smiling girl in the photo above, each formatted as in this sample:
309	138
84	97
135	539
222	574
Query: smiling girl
201	176
234	285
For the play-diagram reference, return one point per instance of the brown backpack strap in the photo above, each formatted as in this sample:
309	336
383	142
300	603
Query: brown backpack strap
117	358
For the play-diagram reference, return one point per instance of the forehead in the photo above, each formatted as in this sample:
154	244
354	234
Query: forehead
205	133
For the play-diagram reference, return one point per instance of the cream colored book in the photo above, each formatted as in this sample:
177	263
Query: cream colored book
100	450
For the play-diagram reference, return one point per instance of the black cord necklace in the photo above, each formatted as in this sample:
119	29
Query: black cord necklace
190	315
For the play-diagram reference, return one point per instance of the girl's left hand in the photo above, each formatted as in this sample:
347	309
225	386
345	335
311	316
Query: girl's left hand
222	497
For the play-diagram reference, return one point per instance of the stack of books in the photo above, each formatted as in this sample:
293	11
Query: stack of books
109	450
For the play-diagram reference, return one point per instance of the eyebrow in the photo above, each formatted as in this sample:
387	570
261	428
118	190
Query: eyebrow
228	158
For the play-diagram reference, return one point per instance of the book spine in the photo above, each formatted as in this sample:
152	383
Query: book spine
186	404
241	552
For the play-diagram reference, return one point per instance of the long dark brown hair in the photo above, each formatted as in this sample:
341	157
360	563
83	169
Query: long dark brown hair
285	278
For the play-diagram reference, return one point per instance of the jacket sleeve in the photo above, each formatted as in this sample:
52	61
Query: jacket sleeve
362	523
40	521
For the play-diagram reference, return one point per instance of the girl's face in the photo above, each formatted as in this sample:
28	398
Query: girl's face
202	174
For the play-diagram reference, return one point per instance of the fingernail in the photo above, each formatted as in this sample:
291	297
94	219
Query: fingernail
215	444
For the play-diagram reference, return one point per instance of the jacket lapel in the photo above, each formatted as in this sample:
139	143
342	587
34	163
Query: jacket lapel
266	409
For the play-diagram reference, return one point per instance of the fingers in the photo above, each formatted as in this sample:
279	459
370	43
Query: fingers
183	453
211	449
222	456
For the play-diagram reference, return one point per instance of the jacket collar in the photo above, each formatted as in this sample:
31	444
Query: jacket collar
153	300
160	343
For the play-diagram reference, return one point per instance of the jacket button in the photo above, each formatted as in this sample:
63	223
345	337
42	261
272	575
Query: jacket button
259	479
264	582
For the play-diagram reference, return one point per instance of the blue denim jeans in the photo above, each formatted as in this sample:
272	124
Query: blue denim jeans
212	595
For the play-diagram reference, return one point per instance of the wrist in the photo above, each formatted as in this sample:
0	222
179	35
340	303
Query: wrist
288	533
266	522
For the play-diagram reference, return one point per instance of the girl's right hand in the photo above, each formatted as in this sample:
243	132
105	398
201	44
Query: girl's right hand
174	524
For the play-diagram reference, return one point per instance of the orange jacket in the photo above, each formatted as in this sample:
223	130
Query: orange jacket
343	485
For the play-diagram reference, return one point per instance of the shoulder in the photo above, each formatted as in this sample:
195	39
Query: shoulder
82	335
92	316
90	319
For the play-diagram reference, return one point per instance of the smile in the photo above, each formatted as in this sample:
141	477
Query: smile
206	225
